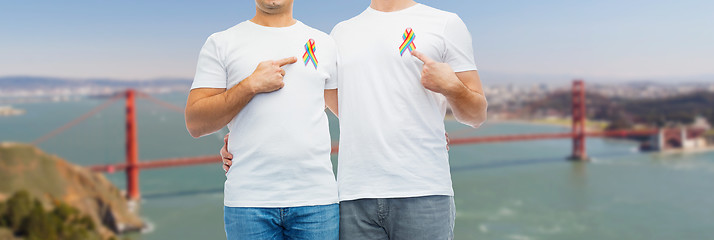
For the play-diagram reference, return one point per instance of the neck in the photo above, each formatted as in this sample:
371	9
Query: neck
391	5
281	19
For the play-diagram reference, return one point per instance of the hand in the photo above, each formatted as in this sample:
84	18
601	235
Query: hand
448	140
227	156
268	76
437	76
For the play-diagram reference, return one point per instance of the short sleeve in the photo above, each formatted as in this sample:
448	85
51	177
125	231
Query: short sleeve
459	52
331	82
210	70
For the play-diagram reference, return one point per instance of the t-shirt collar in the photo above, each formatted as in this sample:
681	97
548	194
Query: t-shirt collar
266	28
375	11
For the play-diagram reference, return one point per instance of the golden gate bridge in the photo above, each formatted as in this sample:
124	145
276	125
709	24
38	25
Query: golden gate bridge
132	165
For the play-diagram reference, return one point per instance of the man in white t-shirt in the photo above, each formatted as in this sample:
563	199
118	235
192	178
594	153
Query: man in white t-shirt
249	78
401	64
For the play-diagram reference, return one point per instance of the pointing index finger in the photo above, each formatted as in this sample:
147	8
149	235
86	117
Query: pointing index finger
286	61
421	57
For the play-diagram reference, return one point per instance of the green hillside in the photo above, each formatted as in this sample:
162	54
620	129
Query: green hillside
54	181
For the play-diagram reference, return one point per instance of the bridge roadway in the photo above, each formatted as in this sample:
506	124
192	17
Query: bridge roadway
215	159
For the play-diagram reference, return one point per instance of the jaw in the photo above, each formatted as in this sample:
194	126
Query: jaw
272	7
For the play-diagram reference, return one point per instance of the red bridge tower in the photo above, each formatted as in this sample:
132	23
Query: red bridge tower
132	148
579	116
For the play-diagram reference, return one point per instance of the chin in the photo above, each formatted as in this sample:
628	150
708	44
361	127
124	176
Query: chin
274	5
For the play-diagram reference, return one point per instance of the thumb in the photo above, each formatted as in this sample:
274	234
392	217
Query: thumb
421	57
286	61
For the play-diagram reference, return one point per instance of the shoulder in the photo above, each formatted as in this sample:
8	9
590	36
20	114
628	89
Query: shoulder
348	23
447	18
437	12
227	34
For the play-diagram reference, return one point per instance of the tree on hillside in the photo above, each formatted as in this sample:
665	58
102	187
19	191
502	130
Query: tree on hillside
27	218
18	207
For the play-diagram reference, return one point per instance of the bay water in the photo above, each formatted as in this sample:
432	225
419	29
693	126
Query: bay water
520	190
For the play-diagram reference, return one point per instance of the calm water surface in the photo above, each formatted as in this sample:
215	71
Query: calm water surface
519	191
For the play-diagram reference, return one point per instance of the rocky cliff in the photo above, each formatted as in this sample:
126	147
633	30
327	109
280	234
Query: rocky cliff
52	179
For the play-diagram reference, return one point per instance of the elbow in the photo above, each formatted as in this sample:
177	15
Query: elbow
477	119
482	115
193	130
198	126
194	134
476	122
476	114
200	129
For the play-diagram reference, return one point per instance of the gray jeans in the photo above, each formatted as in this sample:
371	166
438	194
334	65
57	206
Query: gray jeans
413	218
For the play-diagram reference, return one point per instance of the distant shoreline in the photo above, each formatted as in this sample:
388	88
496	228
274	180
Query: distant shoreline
523	121
592	125
686	151
6	111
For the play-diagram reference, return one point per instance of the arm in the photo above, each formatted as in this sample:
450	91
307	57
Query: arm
468	101
462	90
209	109
331	100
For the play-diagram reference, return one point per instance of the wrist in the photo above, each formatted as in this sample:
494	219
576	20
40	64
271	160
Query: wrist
249	86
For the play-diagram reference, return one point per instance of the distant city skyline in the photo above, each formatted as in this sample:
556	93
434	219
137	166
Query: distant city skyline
602	41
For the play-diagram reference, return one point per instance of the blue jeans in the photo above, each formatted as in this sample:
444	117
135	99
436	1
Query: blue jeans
310	222
411	218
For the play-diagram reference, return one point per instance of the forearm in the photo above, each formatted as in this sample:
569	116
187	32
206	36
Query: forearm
469	106
208	110
206	114
463	90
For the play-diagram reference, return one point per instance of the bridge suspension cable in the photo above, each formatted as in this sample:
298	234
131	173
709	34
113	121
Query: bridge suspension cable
77	120
160	102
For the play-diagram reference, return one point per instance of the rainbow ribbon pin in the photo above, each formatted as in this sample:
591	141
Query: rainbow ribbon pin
310	53
408	43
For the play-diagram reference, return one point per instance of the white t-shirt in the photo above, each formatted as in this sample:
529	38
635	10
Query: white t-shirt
280	141
392	141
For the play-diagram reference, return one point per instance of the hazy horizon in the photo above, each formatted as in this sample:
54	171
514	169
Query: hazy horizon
488	78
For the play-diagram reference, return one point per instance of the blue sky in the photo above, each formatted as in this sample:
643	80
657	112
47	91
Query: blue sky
603	40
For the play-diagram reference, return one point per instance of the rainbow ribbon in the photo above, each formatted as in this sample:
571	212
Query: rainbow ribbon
310	53
408	43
